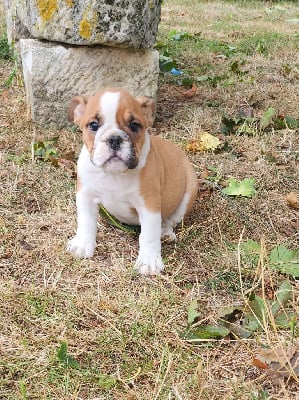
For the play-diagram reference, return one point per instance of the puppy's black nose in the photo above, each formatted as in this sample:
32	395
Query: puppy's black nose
114	142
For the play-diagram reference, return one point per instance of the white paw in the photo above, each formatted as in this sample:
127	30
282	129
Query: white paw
167	235
79	247
149	264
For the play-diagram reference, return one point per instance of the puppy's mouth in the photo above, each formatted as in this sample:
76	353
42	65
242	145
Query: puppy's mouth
114	158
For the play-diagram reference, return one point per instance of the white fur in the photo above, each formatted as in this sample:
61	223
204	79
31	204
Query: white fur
84	242
109	105
149	261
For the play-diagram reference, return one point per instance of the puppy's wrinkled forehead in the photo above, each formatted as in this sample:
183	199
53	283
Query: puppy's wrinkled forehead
114	107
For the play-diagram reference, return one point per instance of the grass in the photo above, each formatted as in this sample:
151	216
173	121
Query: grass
95	329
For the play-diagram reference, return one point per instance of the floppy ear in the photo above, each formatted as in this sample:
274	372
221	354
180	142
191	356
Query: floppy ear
148	107
77	108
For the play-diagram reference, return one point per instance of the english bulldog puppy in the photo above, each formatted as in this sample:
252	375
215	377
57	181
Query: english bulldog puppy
139	178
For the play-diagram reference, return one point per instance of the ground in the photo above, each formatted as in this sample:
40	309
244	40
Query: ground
95	329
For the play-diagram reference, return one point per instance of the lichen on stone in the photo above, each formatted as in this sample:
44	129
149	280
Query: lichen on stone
47	8
85	29
69	3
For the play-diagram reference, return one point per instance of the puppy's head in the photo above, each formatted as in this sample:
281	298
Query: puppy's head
114	126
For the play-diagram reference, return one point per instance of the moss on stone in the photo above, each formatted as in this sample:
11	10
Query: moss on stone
47	8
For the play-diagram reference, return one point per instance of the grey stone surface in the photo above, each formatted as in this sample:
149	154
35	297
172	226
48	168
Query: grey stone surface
53	74
120	23
14	27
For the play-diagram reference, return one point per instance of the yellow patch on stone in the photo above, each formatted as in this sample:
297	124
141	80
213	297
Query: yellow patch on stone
69	3
47	8
85	29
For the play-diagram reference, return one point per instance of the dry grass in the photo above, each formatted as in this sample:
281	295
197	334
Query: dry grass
121	328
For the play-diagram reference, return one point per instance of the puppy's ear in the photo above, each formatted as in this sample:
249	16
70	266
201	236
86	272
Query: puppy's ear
148	107
77	108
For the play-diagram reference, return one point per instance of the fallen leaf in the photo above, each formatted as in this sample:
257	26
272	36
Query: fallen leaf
205	332
231	318
5	95
204	174
65	163
191	92
278	363
243	188
204	142
209	141
293	200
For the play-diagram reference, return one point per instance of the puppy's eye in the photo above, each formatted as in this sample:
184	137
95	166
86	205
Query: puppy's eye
93	126
135	126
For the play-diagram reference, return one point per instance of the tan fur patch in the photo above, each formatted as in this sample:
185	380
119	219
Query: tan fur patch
166	177
130	110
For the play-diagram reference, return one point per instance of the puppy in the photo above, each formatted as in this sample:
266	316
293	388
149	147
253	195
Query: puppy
140	179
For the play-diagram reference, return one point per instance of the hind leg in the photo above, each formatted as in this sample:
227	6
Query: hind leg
168	224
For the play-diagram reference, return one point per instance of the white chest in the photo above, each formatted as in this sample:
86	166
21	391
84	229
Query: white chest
118	193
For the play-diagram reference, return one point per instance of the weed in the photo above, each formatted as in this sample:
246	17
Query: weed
5	53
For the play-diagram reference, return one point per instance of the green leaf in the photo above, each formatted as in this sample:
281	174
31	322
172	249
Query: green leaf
259	308
267	118
250	247
250	323
244	188
202	78
192	312
255	316
205	332
174	35
228	126
285	260
106	381
247	127
283	295
291	122
45	150
283	320
66	359
166	62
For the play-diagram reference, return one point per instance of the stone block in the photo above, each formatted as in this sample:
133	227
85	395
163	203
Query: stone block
54	73
120	23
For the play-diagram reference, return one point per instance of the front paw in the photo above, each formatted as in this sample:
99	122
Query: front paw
149	264
79	247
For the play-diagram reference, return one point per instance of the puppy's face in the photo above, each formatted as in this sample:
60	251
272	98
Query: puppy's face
114	125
